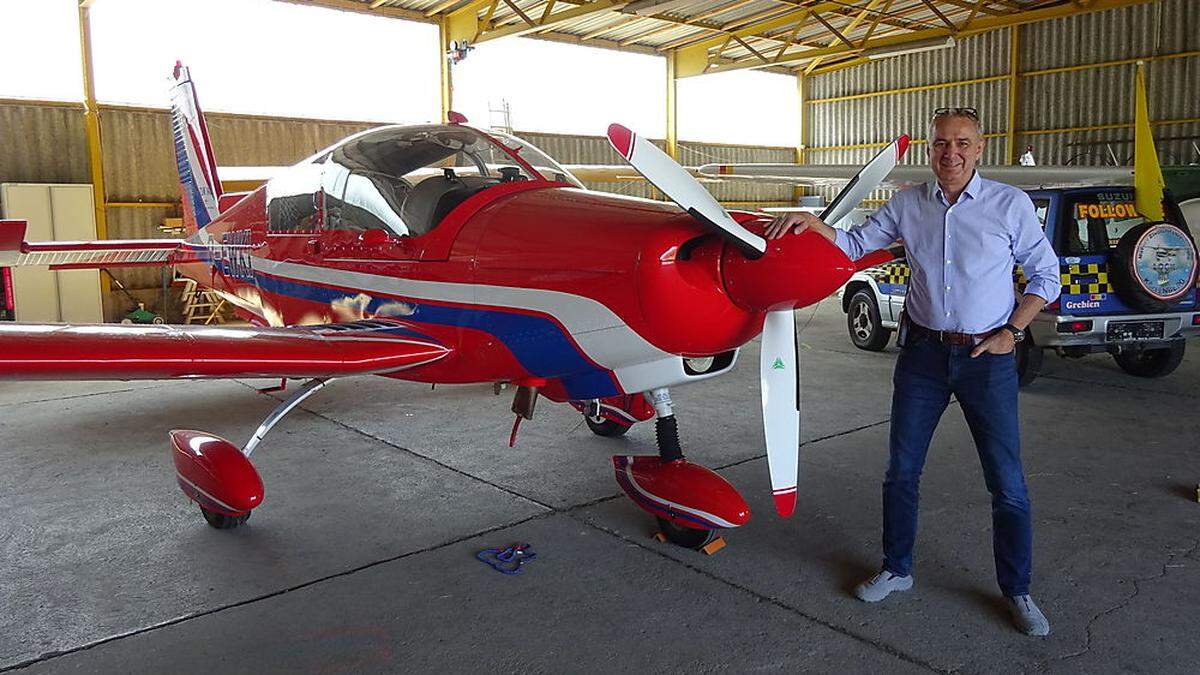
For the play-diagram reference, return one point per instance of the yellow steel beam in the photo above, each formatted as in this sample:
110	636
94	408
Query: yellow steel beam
938	12
463	23
1103	127
802	140
577	12
757	28
980	80
1023	132
1109	64
1014	65
854	24
836	33
907	90
151	205
979	25
884	144
446	83
517	10
672	107
962	4
769	19
91	120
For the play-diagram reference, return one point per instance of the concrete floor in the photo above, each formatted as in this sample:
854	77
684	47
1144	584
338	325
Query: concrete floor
379	493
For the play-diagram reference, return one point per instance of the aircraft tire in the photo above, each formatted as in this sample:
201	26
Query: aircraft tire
607	428
220	521
685	536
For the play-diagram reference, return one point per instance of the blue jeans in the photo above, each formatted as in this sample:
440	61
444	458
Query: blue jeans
927	373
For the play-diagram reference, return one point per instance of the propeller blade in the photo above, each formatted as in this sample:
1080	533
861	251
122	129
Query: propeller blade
674	181
865	181
779	370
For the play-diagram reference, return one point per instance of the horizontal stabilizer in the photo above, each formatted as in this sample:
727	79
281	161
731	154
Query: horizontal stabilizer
16	252
132	352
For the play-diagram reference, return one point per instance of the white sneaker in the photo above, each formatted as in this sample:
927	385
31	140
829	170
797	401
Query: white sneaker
881	585
1027	617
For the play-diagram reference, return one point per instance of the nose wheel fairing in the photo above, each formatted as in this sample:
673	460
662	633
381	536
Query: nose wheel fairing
689	501
218	475
685	494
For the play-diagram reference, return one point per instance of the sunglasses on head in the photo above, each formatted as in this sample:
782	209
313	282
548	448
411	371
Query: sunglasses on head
969	112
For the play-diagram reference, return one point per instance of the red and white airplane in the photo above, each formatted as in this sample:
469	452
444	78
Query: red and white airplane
445	254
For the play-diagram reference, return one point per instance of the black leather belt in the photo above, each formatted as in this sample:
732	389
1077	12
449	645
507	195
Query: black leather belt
946	336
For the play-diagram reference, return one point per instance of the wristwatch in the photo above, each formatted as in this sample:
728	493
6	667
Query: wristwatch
1017	333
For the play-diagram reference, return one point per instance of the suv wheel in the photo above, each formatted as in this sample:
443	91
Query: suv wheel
862	320
1151	362
1029	361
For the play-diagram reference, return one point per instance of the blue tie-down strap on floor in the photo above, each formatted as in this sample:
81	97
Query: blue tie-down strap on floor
508	560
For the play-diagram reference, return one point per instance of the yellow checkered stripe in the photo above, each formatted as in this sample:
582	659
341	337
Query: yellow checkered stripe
1084	278
891	273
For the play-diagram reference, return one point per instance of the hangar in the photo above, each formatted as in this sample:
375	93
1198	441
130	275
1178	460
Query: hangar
174	278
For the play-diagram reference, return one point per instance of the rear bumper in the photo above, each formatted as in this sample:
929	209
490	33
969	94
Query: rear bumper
1045	329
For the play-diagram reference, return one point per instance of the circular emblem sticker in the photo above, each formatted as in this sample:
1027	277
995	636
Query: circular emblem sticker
1165	262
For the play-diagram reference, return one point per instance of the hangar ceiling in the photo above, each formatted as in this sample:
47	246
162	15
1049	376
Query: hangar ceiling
808	36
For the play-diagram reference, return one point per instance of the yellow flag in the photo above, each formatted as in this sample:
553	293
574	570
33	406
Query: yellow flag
1148	181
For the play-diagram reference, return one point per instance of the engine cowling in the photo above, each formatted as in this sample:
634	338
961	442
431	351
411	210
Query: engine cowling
796	271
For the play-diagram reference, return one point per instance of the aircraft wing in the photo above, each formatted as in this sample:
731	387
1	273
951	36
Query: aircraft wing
817	175
149	352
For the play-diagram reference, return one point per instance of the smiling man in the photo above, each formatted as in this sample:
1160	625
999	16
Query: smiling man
961	323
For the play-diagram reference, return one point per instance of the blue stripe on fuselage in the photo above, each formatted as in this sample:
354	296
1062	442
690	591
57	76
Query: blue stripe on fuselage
538	344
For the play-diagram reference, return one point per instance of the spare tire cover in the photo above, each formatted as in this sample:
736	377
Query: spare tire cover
1154	266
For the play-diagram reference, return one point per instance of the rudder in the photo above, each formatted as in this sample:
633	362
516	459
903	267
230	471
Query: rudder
200	188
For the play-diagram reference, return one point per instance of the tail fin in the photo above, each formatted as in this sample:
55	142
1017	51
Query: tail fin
1148	180
199	186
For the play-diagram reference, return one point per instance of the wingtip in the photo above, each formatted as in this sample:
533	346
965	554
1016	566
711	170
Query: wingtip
901	146
622	139
785	502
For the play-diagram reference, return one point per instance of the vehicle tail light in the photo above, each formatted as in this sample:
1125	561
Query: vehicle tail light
1196	319
1074	326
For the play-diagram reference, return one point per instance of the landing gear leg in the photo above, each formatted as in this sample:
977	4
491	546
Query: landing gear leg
666	433
218	476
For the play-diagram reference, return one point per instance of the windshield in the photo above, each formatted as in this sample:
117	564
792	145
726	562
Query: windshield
405	180
538	160
1095	223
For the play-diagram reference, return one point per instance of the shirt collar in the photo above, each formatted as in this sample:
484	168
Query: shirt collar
971	190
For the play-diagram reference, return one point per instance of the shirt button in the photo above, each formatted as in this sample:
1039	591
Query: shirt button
947	288
947	313
947	262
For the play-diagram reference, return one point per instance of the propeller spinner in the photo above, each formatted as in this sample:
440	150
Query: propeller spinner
779	364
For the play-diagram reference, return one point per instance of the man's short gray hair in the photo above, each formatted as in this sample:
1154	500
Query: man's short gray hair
950	113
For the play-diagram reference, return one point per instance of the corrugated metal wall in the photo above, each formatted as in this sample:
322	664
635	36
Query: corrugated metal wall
42	144
597	150
1046	101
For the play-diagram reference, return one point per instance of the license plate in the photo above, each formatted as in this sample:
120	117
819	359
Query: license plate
1134	330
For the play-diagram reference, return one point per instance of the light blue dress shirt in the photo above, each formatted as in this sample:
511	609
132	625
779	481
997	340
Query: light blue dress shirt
962	255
